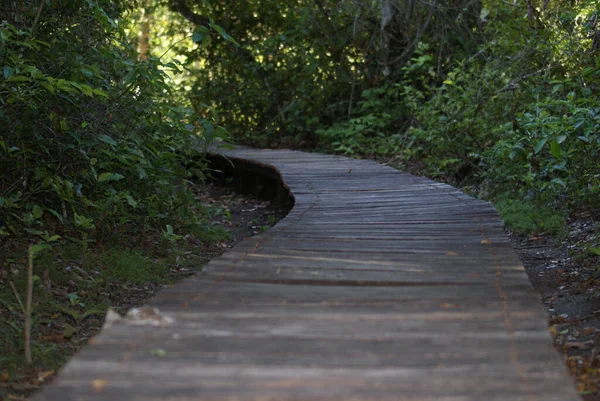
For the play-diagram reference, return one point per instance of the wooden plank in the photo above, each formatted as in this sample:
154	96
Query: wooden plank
378	285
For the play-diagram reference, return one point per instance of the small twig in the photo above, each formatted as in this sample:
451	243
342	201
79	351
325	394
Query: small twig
173	45
37	16
17	296
28	310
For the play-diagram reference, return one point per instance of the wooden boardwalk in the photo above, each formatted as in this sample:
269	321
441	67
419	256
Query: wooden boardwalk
378	286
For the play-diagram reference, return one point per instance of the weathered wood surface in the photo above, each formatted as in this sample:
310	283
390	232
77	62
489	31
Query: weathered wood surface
377	286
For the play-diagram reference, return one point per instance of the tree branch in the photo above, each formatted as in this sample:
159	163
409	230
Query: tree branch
182	8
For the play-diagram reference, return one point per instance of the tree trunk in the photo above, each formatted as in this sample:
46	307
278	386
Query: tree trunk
144	39
388	9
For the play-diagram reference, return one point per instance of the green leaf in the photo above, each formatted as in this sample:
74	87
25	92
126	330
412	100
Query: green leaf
561	138
107	139
69	331
539	145
106	177
56	214
130	76
594	250
37	211
555	149
91	312
197	37
38	248
33	231
484	13
8	72
224	34
100	92
49	87
158	352
68	311
131	201
18	78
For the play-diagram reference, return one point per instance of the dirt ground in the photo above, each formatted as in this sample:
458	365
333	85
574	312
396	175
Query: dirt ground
566	274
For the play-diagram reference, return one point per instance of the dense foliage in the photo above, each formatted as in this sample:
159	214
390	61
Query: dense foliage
496	96
92	140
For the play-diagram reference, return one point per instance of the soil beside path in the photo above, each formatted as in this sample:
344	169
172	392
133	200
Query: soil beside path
567	276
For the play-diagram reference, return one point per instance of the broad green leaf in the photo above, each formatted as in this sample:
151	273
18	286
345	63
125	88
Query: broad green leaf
37	211
100	92
197	37
130	76
18	78
69	331
107	139
131	201
539	145
49	87
106	177
561	138
8	72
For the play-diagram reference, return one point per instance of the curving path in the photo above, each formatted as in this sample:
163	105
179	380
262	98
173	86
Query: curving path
378	286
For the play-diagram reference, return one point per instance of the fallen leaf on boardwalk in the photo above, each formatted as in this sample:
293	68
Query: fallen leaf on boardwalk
44	375
486	241
158	352
446	305
451	253
99	385
16	398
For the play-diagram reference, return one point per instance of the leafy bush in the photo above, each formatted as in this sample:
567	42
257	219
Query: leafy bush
91	138
527	218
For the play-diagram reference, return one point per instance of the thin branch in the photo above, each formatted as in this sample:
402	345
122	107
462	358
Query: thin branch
39	13
187	13
512	85
29	301
18	298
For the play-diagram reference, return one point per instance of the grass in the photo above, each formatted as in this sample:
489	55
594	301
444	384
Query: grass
73	287
127	266
526	218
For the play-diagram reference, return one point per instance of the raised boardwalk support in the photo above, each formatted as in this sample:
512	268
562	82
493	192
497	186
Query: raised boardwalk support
378	286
